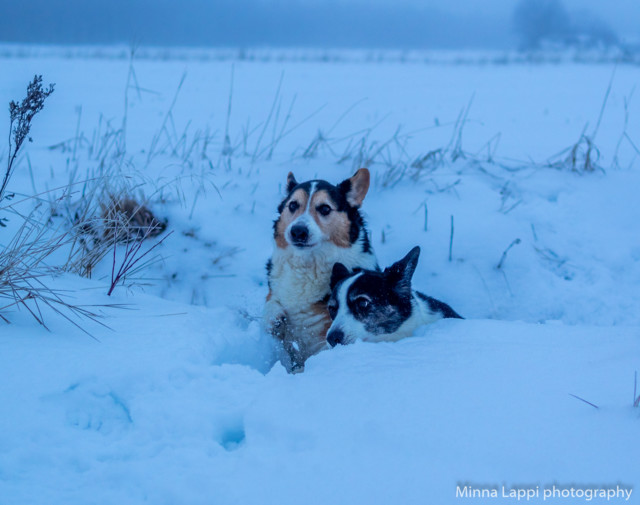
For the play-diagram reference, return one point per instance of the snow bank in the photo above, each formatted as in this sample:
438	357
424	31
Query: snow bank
149	414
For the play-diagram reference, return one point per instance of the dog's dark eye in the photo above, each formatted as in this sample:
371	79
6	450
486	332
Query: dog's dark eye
363	304
324	209
293	206
332	307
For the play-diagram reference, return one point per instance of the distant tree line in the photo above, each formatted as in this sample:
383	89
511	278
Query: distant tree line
333	23
318	23
540	22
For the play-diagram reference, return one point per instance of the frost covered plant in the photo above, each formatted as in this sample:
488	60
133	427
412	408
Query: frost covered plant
24	268
20	116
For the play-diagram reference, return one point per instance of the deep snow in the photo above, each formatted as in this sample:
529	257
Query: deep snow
178	402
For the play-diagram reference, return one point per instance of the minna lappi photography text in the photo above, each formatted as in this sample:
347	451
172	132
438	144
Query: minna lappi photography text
554	491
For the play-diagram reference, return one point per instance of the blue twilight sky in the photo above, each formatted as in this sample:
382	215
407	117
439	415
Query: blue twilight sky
451	24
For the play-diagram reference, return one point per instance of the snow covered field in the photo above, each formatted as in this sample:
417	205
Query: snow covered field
179	401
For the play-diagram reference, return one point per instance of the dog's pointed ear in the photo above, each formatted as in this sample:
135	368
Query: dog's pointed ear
291	182
401	272
339	273
356	187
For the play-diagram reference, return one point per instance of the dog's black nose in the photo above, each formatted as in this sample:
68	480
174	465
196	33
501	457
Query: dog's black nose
335	337
299	234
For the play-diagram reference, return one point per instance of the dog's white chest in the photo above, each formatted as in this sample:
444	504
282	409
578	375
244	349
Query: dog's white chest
296	284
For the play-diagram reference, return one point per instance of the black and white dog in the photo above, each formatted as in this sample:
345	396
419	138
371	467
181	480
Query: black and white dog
380	306
319	224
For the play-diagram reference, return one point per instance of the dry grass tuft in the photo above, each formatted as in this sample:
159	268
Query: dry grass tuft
581	157
127	220
103	220
25	275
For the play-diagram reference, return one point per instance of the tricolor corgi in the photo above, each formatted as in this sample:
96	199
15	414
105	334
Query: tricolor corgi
380	306
319	224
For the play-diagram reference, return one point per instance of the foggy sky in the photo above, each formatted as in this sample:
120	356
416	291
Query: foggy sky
319	23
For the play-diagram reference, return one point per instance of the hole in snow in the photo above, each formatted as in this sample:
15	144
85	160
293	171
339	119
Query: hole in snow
233	438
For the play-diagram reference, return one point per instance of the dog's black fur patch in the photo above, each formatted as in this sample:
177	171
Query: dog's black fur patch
439	307
366	242
389	306
269	268
338	274
306	186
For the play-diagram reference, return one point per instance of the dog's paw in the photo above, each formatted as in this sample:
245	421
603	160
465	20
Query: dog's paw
296	368
278	327
275	320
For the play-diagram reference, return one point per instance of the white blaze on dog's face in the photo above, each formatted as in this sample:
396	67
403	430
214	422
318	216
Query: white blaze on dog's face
345	328
371	305
316	212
